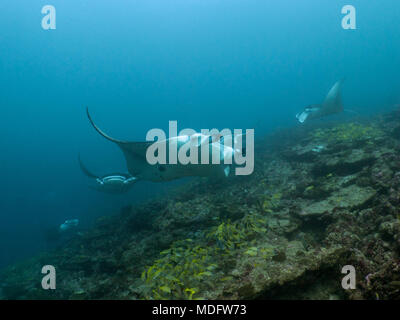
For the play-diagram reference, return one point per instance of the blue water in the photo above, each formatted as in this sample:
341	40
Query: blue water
139	64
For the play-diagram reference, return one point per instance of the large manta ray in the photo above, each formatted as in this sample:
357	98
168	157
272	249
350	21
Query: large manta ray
139	167
331	105
115	183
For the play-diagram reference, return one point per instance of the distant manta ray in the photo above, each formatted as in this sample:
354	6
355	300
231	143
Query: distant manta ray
138	166
115	183
331	105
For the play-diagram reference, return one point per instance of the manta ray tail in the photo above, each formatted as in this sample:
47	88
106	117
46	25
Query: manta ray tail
85	170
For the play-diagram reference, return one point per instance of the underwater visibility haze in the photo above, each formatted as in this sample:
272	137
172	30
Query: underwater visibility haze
324	103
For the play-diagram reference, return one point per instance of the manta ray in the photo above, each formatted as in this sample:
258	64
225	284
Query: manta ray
115	183
331	105
141	169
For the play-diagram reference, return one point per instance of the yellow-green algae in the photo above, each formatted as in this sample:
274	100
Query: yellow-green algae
346	132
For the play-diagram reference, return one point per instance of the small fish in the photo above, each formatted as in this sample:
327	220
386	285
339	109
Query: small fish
318	149
69	224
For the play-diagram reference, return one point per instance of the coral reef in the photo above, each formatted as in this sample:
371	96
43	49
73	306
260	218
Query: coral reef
319	199
347	132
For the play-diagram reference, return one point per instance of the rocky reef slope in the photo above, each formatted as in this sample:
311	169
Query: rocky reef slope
320	198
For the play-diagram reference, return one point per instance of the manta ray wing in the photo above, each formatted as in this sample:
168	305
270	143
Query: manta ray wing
134	152
331	105
135	156
85	170
333	101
